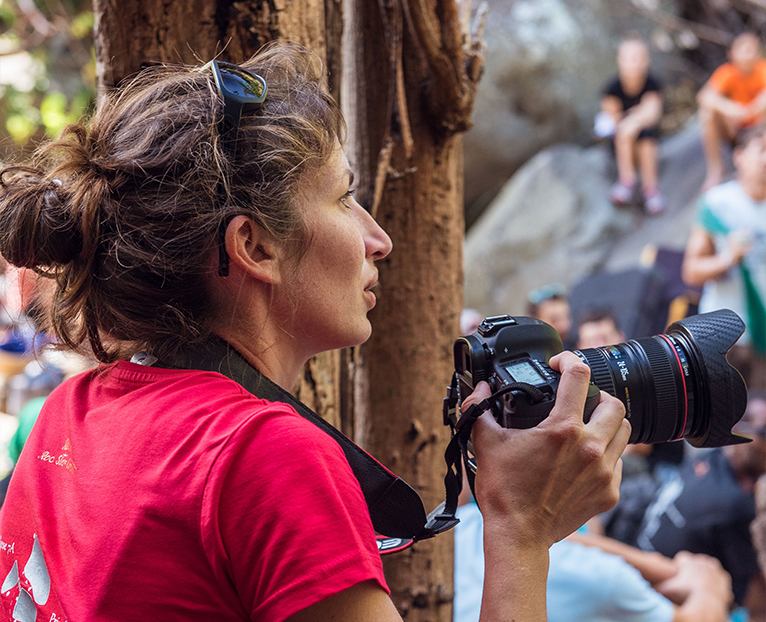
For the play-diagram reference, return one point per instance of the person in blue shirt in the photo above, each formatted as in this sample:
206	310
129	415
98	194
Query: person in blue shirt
588	584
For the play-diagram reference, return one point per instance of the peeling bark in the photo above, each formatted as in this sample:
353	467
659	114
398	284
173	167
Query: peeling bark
412	97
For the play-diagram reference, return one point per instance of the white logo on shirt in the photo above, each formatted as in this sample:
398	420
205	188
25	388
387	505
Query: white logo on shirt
36	577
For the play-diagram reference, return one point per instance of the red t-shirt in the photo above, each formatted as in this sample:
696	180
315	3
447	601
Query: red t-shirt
154	494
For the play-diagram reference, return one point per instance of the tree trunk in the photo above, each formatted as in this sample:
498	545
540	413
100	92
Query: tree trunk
407	95
130	35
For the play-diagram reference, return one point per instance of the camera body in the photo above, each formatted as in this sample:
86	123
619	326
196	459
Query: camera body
506	351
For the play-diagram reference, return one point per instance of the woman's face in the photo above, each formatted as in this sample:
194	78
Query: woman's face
329	288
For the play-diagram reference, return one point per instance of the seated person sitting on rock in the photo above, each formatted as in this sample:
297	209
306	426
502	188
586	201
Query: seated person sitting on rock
632	101
733	99
726	252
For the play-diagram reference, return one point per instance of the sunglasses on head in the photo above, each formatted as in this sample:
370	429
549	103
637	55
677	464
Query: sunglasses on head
241	90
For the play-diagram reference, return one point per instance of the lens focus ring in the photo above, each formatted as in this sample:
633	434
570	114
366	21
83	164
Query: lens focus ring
599	369
666	393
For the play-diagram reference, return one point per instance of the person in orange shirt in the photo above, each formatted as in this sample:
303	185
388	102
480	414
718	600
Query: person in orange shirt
733	99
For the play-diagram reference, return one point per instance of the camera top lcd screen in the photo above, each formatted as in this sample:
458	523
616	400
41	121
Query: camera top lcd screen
524	372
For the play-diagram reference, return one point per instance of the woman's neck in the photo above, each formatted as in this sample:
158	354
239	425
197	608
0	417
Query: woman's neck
269	355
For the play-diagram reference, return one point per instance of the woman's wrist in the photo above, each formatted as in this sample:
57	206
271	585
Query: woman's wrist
515	576
525	544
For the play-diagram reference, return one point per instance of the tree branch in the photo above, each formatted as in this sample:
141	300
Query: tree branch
701	31
455	63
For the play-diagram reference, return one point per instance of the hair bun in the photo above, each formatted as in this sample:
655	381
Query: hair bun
37	226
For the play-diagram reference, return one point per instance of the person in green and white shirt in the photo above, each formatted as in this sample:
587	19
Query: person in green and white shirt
726	252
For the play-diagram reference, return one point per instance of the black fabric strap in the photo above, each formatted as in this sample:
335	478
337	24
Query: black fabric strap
456	454
395	508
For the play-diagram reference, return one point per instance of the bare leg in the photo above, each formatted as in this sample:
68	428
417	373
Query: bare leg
626	167
646	151
715	130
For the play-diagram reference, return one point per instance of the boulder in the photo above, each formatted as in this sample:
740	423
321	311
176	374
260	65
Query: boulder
547	62
553	222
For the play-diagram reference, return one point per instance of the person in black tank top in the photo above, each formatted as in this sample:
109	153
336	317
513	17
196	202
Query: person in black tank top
631	107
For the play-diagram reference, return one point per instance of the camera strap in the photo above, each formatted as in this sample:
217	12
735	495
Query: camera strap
395	508
456	454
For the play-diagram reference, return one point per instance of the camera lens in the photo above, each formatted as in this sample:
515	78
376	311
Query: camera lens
678	384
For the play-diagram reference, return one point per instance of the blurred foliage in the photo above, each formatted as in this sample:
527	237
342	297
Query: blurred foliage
47	70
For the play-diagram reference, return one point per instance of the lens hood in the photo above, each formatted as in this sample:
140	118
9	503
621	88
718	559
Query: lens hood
709	336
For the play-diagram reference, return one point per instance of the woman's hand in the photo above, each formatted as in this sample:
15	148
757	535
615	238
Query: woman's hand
539	485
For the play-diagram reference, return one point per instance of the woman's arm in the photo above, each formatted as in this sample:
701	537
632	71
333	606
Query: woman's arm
534	487
537	486
364	602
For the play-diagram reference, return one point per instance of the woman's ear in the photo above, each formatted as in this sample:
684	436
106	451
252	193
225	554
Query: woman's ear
252	250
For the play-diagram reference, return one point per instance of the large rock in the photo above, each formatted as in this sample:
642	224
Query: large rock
553	222
547	62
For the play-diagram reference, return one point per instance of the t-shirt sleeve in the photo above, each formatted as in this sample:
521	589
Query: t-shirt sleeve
707	217
613	88
585	583
652	84
635	600
721	78
284	518
632	599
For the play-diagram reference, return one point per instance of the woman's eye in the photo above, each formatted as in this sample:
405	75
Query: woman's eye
347	197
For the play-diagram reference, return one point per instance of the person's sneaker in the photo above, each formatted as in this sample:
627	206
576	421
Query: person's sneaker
621	193
654	202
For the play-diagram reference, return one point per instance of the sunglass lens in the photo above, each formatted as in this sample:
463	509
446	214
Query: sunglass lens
242	84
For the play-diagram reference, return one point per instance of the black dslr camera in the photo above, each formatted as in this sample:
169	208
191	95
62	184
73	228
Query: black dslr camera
674	385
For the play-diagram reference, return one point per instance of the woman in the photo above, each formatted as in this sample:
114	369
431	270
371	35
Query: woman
207	204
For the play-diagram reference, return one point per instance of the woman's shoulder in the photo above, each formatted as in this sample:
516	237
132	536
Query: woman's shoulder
199	411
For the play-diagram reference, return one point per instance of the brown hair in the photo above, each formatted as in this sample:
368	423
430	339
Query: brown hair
745	136
124	216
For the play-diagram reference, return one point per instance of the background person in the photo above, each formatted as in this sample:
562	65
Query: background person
178	224
587	583
733	99
758	526
598	328
549	303
633	103
709	506
726	253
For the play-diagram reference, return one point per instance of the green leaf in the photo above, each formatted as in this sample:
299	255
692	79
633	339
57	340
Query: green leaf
20	128
82	24
53	111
